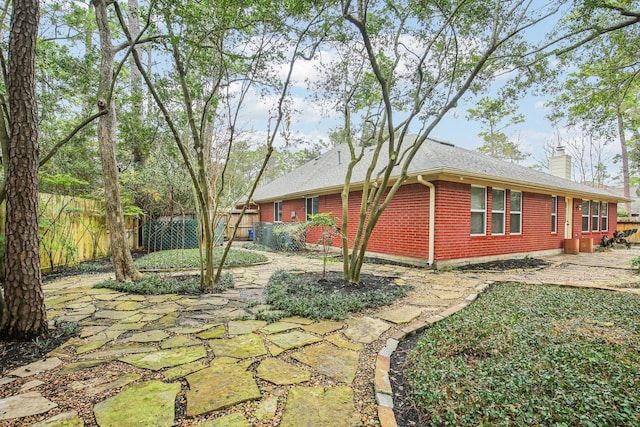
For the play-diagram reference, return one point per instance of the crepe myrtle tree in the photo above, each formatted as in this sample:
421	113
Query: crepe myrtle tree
421	59
217	55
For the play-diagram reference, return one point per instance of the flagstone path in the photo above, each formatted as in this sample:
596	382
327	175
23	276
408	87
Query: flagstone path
170	359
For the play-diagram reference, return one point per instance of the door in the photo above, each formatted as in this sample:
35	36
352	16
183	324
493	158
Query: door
568	222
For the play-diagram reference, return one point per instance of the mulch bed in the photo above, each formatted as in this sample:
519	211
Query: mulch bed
507	264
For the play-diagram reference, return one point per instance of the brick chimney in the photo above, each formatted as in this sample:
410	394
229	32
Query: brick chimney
560	164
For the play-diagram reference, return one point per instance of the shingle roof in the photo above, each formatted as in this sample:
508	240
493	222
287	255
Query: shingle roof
326	173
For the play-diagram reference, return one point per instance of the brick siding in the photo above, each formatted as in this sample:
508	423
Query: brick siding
403	228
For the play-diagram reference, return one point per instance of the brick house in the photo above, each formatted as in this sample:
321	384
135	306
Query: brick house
457	206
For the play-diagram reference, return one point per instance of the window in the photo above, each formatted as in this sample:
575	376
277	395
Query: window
497	211
595	216
554	214
277	212
312	206
605	216
478	210
585	215
515	218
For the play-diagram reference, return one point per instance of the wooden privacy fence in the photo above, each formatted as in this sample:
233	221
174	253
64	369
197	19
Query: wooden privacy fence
630	223
72	230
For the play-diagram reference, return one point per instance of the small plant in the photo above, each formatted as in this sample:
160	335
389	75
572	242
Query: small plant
635	263
66	328
329	231
40	345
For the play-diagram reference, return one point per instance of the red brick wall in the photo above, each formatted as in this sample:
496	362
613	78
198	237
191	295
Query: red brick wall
403	228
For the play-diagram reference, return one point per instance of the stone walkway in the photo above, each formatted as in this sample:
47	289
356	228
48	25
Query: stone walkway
137	354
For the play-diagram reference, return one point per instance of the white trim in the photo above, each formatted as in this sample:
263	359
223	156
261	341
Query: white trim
511	211
483	211
503	211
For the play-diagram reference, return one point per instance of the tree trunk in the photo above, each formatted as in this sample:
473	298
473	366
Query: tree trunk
120	253
140	152
625	159
24	316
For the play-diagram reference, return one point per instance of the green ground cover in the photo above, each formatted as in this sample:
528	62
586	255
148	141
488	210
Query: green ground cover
190	258
532	355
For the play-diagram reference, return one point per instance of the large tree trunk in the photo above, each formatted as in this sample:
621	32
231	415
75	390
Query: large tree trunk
24	316
625	159
120	253
138	144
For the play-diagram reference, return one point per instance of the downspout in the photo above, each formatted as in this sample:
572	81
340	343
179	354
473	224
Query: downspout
432	217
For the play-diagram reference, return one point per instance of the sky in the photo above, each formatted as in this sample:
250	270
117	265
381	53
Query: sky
313	122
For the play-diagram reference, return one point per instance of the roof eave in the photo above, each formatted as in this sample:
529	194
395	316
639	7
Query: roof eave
456	175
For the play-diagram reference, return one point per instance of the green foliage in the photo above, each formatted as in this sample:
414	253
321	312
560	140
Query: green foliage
190	258
61	184
623	213
256	247
531	355
155	284
64	327
291	236
635	263
295	295
327	223
495	115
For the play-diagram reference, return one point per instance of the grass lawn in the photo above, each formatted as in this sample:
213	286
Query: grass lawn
532	355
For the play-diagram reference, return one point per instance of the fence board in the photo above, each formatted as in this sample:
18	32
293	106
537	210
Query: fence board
72	230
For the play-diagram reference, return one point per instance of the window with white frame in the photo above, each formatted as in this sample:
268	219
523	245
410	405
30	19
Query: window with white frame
515	216
312	206
478	210
554	214
497	211
585	215
277	211
604	216
595	216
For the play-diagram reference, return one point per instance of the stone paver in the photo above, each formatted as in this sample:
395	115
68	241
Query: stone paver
293	339
365	329
320	407
401	315
166	358
227	357
241	347
232	384
336	363
23	405
150	403
64	419
282	373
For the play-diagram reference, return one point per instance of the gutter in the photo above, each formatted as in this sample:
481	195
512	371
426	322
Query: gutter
432	217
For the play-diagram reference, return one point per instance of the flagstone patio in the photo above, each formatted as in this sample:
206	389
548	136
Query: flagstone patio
138	358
